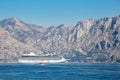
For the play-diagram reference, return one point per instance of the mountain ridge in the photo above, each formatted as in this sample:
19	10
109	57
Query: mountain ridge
87	41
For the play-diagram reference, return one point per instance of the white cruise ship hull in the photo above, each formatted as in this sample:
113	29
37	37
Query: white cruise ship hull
42	61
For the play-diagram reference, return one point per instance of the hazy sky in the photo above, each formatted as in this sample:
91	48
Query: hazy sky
55	12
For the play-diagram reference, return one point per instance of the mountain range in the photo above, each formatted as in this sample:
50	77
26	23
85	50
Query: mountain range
91	41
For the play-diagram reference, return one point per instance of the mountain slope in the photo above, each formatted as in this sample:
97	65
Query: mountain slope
87	41
11	49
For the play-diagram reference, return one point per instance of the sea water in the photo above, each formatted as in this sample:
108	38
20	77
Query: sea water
69	71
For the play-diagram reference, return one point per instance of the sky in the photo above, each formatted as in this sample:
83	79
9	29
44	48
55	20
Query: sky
55	12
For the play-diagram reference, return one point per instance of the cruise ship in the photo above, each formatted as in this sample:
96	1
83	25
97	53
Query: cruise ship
33	58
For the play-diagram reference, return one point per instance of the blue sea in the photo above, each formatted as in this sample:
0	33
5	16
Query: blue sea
69	71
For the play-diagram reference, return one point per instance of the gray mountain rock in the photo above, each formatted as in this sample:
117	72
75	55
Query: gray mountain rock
87	41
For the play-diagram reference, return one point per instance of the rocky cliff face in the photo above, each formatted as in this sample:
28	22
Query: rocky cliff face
87	41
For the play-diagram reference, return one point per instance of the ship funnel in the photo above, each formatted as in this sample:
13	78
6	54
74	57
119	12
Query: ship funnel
32	54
